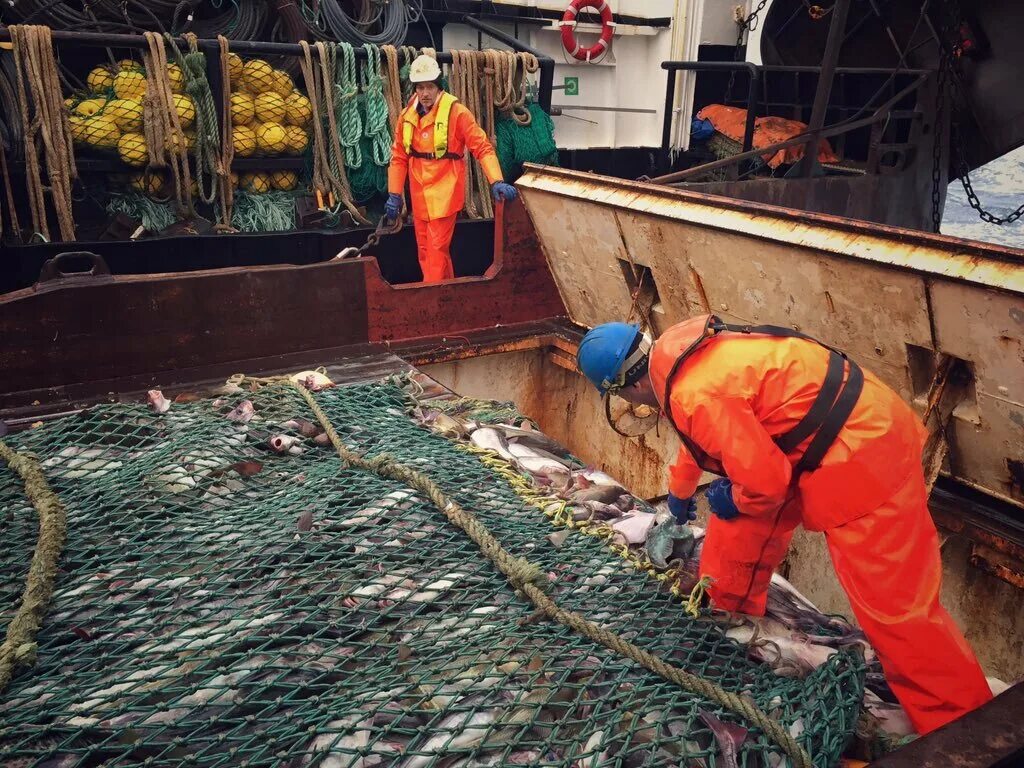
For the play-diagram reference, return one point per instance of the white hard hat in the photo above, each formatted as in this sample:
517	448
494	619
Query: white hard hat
424	69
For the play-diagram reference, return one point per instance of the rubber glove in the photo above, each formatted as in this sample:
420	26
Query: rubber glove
502	191
393	207
719	495
683	510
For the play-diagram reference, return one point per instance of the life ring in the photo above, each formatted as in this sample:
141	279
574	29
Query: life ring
568	25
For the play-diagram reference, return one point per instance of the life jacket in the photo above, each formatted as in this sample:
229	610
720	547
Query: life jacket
826	417
441	124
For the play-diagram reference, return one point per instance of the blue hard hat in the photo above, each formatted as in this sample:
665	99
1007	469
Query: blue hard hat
603	351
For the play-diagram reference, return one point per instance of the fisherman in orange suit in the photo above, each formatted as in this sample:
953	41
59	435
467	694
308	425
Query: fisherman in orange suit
430	141
801	434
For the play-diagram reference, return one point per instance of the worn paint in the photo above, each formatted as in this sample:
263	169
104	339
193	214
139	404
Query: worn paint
884	295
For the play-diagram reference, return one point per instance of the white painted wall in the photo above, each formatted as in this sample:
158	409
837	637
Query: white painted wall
629	76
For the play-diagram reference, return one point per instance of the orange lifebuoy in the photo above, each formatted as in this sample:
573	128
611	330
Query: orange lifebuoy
568	25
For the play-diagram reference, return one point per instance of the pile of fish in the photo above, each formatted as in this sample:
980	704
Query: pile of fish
229	594
793	637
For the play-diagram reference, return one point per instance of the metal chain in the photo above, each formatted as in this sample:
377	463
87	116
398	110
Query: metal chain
947	62
749	24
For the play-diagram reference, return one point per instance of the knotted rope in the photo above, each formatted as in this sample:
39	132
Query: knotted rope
19	646
43	119
529	579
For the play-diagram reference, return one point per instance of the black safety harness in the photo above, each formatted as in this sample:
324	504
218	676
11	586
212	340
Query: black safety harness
825	418
432	156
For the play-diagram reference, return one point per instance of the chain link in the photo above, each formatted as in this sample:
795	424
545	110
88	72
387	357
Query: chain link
947	62
749	24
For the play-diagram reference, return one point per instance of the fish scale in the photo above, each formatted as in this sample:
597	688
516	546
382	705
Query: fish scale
190	627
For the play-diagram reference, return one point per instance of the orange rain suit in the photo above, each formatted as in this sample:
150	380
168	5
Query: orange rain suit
731	397
438	187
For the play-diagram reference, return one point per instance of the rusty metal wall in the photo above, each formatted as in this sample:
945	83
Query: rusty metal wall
893	298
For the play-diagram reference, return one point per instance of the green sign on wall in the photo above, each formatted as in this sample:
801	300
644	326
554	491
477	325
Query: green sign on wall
572	86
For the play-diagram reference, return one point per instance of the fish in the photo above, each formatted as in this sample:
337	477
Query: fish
304	427
730	738
788	651
634	527
492	440
285	444
606	494
670	541
74	462
305	521
314	381
457	731
344	741
157	401
242	413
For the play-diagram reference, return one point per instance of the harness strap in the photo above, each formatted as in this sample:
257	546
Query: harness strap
432	156
825	418
819	409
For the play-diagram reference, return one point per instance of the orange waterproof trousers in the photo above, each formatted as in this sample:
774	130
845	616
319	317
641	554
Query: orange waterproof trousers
888	563
433	241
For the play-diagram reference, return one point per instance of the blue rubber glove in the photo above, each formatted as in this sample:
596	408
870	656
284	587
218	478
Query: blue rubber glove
719	495
502	191
393	207
683	510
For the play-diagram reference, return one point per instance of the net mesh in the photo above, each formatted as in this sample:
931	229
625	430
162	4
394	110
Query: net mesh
220	603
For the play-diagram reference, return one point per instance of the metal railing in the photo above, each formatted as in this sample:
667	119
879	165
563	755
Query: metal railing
755	104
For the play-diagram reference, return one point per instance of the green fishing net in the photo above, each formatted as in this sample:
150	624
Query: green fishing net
518	144
222	604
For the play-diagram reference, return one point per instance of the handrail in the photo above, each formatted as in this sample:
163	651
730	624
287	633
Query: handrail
804	138
547	64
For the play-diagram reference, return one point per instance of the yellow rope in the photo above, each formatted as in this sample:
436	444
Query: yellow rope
19	647
530	579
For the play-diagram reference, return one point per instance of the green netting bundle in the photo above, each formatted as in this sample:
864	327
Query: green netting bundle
154	216
232	594
266	212
518	144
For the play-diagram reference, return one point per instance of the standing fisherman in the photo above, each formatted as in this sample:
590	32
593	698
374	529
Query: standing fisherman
430	141
801	434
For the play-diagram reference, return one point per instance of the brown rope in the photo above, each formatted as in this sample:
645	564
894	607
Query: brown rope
44	120
19	646
9	192
392	84
165	138
227	141
529	578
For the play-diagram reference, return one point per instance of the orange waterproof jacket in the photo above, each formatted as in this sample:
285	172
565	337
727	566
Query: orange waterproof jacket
438	187
737	392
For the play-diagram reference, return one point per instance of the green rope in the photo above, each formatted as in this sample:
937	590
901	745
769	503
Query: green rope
19	647
375	107
370	179
153	215
531	581
207	130
350	124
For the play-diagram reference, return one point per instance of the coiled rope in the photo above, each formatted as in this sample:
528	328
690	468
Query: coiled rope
465	85
19	646
392	84
346	90
376	107
529	578
44	120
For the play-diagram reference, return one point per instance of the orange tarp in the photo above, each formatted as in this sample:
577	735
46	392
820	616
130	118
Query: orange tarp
731	122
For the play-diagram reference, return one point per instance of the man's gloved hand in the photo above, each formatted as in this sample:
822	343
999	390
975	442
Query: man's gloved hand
683	510
393	207
502	191
719	495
